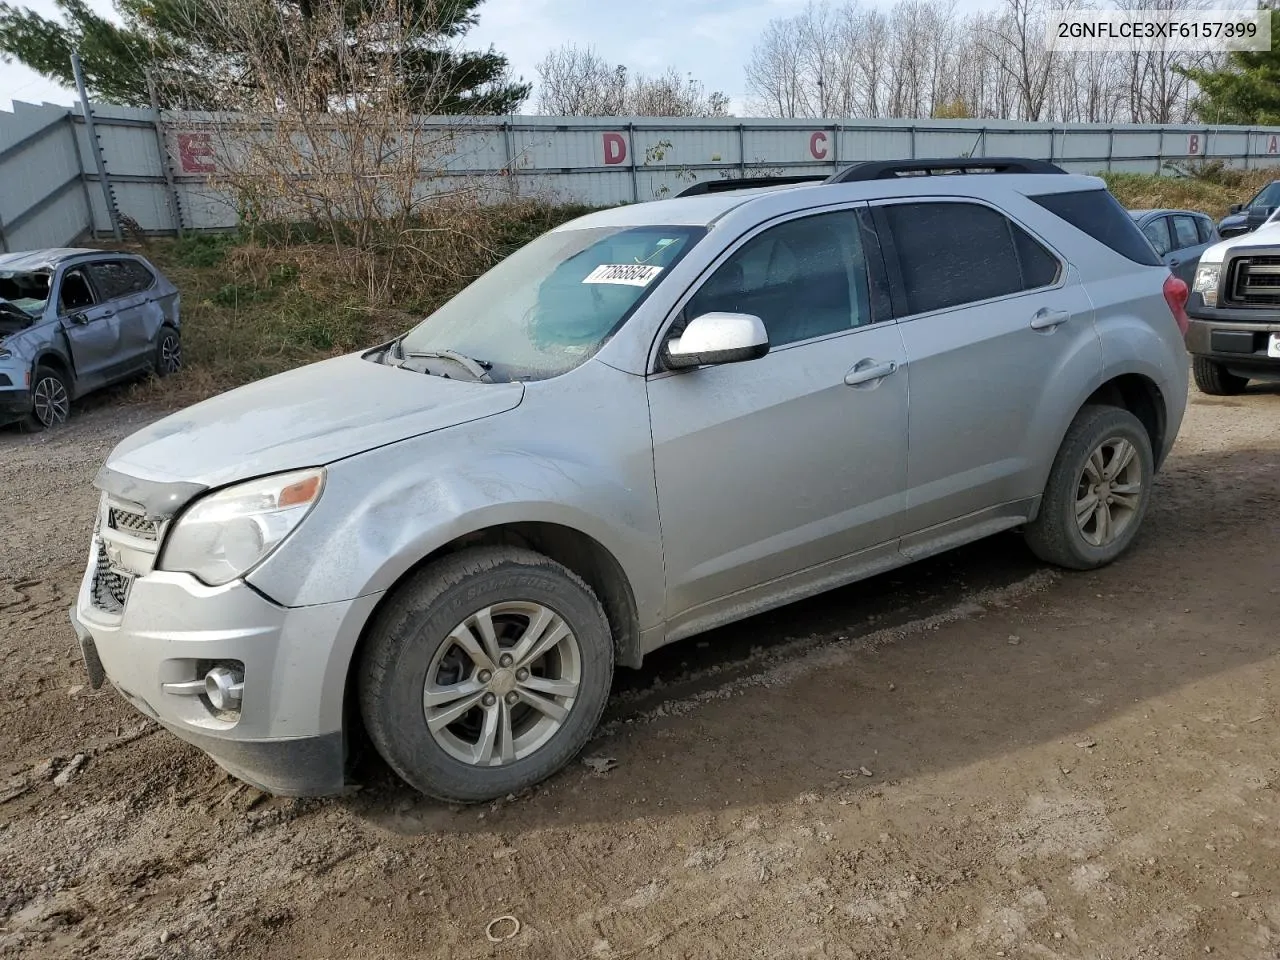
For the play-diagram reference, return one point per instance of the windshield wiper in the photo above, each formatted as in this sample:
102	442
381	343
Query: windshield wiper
477	368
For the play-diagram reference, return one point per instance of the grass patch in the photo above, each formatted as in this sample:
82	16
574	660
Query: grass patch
1210	189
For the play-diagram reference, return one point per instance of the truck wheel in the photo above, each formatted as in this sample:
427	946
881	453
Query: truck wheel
1098	491
50	400
1215	379
485	673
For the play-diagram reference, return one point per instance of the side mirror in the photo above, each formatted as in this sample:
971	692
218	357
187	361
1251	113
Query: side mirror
1236	207
79	319
715	338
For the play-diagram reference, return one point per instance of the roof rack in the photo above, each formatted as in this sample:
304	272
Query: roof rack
745	183
893	169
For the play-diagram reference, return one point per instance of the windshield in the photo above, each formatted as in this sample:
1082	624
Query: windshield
555	302
1268	196
29	292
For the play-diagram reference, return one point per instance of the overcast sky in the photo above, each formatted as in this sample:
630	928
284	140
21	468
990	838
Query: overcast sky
709	38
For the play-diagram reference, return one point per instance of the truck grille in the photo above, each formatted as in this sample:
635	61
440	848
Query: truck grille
1254	281
109	589
134	524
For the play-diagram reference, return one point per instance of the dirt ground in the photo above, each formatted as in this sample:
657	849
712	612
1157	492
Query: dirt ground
974	757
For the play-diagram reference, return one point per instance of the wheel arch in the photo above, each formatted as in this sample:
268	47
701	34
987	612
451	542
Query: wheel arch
577	551
1142	397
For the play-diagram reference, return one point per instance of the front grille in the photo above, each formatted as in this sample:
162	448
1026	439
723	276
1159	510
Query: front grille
110	589
1254	281
134	524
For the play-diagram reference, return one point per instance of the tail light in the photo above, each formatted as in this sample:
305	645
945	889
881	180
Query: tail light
1175	295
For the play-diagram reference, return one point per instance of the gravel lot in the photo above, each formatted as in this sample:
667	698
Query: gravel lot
974	757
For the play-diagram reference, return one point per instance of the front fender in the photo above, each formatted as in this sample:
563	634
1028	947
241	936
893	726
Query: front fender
383	511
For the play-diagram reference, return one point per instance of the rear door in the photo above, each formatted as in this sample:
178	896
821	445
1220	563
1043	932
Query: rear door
129	287
989	314
1187	246
91	327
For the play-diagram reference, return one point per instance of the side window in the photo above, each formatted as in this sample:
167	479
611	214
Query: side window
956	253
1184	233
1208	234
1157	232
140	278
75	292
118	278
804	278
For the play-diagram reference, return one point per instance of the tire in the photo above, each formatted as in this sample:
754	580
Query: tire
168	358
415	636
1056	535
50	400
1215	379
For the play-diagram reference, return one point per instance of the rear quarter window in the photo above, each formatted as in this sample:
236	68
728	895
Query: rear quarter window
1099	214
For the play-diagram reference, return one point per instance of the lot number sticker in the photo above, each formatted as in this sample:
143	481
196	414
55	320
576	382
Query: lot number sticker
627	274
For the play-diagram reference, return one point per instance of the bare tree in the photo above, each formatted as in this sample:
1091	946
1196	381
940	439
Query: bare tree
573	81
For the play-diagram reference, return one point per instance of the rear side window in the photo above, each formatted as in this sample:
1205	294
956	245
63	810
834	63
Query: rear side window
1184	233
1099	214
120	278
955	253
1206	229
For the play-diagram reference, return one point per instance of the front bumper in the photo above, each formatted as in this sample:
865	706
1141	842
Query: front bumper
1235	338
14	404
288	736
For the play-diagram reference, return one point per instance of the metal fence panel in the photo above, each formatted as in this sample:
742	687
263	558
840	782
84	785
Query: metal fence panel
45	153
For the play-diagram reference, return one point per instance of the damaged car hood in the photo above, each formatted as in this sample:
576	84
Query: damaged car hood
304	418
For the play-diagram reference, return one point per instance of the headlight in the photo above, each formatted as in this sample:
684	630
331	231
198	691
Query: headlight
1207	276
227	533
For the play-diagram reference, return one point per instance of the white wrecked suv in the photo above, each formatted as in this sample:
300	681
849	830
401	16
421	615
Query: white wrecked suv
651	421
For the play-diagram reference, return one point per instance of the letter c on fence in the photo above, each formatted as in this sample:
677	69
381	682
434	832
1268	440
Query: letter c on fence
615	148
814	150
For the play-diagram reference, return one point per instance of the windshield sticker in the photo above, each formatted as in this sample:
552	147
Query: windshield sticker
627	274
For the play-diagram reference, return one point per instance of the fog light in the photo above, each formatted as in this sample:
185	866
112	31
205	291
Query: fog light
223	686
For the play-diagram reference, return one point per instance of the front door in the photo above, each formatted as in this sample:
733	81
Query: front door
91	326
776	466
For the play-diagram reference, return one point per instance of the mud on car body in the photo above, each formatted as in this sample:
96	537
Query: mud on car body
74	320
648	422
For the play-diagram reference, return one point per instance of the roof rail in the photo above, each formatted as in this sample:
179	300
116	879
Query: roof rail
745	183
892	169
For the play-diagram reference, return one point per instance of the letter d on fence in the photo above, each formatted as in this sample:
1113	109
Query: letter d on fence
615	148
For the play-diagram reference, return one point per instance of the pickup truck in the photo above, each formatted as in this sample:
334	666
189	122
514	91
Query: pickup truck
1234	311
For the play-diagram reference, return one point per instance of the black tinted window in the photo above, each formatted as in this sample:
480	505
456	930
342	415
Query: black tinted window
1268	196
954	253
120	278
1099	214
804	278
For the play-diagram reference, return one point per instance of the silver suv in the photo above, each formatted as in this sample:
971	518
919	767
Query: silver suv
648	422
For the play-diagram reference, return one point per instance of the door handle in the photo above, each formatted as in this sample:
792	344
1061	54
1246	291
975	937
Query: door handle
869	371
1175	262
1046	319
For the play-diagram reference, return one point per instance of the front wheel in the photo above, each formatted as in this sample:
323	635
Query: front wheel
485	673
1098	491
1215	379
50	400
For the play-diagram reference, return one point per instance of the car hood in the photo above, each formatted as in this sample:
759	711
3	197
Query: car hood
1232	220
1266	235
304	418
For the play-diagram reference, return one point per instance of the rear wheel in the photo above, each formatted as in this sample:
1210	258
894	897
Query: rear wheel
50	400
168	359
485	673
1098	491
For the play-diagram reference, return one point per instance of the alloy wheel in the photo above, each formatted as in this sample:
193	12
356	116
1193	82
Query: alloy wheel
502	683
50	402
1109	491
